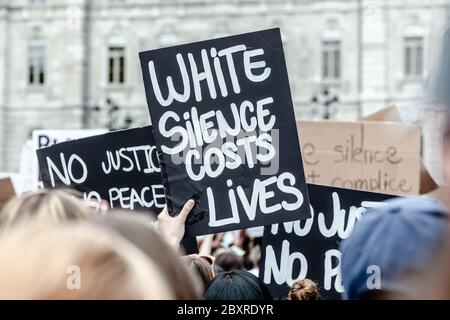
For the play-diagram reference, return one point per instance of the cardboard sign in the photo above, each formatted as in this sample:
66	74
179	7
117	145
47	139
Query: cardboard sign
6	191
310	249
46	138
120	167
224	121
381	157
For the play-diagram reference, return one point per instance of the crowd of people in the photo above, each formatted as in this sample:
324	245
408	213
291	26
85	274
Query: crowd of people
54	246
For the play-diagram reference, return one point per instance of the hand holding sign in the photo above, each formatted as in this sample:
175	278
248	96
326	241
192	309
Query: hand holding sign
173	228
218	108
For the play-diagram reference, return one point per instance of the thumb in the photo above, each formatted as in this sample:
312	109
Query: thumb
164	212
186	210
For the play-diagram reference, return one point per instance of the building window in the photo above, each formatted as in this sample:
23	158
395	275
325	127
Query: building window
413	57
331	59
116	65
36	64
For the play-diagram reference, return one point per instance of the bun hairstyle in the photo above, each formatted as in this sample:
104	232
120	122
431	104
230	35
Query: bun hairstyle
303	290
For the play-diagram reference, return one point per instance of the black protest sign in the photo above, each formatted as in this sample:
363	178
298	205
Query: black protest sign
120	167
310	248
224	122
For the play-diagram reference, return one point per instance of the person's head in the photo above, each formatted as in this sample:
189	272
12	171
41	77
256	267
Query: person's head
49	205
138	229
75	261
237	285
389	245
228	260
202	266
303	290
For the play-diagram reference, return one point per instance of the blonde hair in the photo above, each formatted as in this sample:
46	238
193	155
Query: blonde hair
303	290
38	260
137	228
51	205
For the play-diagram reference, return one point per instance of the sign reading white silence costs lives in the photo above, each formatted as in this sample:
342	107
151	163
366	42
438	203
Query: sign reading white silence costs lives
224	120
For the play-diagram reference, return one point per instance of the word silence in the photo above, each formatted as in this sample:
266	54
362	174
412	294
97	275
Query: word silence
215	105
369	156
120	167
310	249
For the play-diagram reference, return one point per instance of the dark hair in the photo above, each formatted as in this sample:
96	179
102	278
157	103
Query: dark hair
218	269
237	285
303	290
230	261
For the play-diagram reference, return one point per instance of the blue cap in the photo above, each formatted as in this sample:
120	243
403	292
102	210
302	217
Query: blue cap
398	237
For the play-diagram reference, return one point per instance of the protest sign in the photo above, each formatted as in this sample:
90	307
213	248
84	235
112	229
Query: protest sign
6	191
120	167
379	157
46	138
392	114
310	249
224	122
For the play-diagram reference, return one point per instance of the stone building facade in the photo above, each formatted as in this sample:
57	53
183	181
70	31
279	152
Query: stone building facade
63	63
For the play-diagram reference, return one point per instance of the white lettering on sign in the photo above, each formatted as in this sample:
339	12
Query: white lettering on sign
261	193
278	265
209	75
67	176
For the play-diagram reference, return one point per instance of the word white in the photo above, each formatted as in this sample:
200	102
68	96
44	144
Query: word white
208	75
196	130
114	160
260	196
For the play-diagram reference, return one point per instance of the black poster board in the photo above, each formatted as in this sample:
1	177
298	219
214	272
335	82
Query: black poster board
310	248
119	167
225	125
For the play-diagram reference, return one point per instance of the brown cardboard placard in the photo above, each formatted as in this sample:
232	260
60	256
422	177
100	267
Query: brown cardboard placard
382	157
6	191
391	113
386	114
